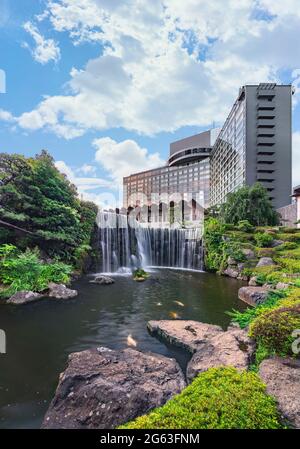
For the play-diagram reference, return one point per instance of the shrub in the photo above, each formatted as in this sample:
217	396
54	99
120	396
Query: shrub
290	265
274	329
286	246
220	398
140	274
25	271
263	239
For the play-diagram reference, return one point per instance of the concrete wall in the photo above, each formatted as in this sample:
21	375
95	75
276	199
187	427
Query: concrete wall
289	214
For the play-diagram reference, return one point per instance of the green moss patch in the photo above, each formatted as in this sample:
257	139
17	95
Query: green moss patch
220	398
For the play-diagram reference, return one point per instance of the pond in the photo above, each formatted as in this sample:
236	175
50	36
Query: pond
41	335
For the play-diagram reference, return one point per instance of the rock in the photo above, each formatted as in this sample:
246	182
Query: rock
253	295
231	261
60	291
101	388
252	282
268	286
102	280
187	334
242	277
24	297
241	266
265	262
282	377
231	272
276	243
282	286
248	253
231	348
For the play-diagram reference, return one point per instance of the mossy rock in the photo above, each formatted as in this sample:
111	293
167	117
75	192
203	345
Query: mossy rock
220	398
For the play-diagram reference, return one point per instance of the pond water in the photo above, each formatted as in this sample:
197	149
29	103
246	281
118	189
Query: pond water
41	335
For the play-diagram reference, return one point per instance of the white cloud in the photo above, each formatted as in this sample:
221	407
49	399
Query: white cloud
86	186
124	158
296	158
45	49
87	169
165	64
6	116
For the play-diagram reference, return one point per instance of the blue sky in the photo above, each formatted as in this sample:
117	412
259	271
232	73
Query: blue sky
106	85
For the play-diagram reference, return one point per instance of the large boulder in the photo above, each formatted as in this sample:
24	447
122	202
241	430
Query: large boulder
253	295
187	334
60	291
102	280
231	348
101	388
265	262
24	297
282	377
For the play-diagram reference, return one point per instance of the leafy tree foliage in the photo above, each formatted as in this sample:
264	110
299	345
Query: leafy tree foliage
36	197
249	203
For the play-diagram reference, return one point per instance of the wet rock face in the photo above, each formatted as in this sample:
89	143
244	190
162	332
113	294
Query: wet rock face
231	348
187	334
102	280
60	291
24	297
101	388
282	378
253	295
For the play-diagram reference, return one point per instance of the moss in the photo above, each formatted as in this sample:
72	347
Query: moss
286	246
220	398
289	265
289	237
265	252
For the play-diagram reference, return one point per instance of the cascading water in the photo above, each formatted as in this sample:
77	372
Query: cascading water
126	244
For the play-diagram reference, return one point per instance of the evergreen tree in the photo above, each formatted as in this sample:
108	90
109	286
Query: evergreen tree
249	203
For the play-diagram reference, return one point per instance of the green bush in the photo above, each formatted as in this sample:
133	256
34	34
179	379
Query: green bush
25	271
140	274
290	265
263	239
220	398
286	246
245	226
273	329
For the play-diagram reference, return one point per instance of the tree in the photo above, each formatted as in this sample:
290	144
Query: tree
249	203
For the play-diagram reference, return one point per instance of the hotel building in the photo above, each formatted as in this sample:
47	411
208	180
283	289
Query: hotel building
254	145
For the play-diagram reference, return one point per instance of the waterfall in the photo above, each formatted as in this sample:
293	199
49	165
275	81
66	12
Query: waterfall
125	245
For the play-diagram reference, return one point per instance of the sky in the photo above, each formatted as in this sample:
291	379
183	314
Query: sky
106	85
